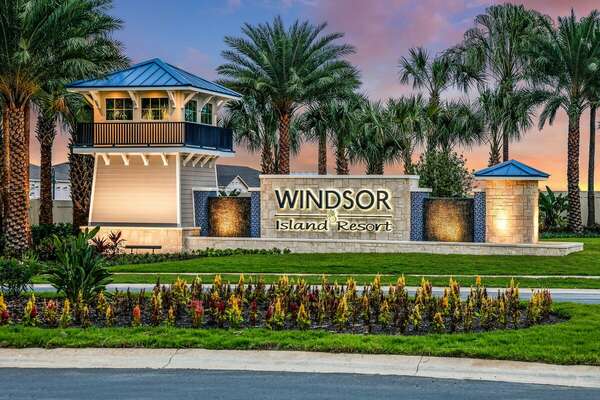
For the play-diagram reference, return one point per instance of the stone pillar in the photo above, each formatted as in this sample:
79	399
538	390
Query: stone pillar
511	211
417	214
255	214
479	216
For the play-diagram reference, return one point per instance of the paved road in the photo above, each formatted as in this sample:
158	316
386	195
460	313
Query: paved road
185	384
582	296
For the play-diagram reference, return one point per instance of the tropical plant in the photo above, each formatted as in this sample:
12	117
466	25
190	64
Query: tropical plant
497	48
79	269
445	173
564	65
553	208
408	121
290	67
373	143
16	274
55	106
44	41
451	124
504	112
435	75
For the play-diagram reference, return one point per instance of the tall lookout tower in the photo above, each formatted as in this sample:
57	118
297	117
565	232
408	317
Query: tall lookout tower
154	139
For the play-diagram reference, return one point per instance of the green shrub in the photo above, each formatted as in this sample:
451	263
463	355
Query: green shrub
79	269
149	258
16	275
445	173
553	210
42	239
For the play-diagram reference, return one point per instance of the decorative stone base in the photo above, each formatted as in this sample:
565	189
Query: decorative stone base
384	246
171	240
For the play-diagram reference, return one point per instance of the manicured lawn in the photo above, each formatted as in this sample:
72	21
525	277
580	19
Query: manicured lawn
586	262
576	341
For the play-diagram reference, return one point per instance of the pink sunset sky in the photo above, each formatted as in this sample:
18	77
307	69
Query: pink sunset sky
381	30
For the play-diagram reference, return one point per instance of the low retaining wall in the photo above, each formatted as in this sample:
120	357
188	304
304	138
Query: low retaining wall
384	246
171	239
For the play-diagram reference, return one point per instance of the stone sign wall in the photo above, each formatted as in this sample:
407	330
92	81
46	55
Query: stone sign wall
336	207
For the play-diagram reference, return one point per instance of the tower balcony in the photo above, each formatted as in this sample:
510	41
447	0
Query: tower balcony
153	134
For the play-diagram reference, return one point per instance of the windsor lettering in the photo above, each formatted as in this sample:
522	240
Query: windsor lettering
331	199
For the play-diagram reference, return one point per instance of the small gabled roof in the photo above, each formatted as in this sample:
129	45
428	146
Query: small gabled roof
227	173
153	73
511	169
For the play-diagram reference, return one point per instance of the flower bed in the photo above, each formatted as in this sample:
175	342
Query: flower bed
292	305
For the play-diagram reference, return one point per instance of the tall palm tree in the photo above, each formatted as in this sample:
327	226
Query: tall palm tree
290	66
591	198
43	41
563	68
497	47
435	75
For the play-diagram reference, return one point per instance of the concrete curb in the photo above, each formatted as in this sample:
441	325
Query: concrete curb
293	361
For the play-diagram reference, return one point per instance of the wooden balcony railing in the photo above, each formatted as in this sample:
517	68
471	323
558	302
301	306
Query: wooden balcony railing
153	134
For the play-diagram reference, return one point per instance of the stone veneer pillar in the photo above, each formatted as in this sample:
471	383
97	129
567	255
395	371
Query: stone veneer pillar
511	211
255	213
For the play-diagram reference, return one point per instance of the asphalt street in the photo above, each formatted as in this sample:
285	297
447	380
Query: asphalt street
66	384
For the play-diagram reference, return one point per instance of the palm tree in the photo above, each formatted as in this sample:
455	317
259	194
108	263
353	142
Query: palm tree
408	121
289	66
44	41
454	123
563	68
254	124
314	124
53	103
497	47
373	143
502	112
591	198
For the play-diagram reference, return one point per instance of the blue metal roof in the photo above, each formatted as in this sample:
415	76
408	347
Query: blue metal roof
511	169
152	73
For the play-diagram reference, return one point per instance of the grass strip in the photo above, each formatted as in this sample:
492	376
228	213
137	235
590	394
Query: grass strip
586	262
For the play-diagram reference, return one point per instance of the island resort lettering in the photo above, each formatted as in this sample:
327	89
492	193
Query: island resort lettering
326	209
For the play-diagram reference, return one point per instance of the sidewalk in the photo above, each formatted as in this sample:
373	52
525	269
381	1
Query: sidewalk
291	361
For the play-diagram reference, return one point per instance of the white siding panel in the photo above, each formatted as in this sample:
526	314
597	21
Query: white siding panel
135	193
193	177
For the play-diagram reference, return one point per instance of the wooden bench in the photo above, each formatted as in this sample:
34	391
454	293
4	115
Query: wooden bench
133	247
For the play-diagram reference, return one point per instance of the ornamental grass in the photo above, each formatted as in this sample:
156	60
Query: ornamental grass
289	304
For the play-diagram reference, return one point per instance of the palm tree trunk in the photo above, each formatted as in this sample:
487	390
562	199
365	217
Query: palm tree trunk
591	216
45	135
5	162
574	216
494	150
18	231
266	159
374	167
284	144
322	154
81	175
505	145
341	160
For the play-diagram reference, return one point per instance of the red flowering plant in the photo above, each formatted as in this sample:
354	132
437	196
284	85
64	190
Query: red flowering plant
136	316
197	313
